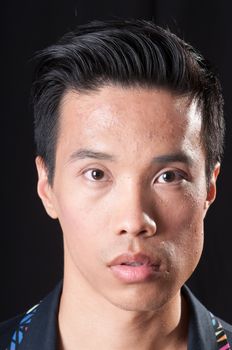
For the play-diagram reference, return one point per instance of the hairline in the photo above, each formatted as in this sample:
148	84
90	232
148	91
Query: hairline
130	85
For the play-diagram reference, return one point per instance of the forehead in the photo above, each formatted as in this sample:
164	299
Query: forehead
135	118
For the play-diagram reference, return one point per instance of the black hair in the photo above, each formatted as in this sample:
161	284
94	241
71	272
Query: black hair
126	53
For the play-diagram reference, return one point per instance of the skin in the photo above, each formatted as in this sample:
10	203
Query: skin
150	196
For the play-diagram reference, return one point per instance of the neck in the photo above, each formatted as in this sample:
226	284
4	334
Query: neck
83	313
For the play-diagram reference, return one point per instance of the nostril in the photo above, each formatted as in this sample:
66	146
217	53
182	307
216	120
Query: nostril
137	226
143	232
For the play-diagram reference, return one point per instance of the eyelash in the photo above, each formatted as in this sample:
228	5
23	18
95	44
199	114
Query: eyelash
97	170
177	176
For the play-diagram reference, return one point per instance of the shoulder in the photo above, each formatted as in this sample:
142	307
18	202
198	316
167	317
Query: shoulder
35	328
228	329
207	328
7	330
12	331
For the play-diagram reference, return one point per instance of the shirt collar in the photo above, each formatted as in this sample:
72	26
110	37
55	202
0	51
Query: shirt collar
42	333
201	335
43	330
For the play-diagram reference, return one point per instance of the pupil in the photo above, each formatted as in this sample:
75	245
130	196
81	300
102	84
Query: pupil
97	174
169	176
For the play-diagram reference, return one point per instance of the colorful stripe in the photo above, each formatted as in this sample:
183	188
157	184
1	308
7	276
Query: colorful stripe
221	337
18	335
17	338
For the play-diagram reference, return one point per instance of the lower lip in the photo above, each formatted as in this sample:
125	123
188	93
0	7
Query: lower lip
133	274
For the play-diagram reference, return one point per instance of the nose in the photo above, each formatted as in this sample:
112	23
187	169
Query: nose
133	215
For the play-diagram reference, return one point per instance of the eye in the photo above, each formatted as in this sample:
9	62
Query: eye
95	175
171	176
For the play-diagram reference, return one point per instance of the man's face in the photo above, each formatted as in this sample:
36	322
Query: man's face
130	193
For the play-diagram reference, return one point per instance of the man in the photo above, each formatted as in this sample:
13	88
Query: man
129	134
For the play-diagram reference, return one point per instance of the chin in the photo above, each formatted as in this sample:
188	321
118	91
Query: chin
142	299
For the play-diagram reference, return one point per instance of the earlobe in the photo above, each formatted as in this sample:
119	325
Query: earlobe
44	188
211	193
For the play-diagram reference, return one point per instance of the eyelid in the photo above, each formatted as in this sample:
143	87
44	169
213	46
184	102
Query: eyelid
180	173
85	171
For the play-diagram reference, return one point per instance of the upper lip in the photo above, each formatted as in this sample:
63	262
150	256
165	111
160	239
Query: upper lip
128	258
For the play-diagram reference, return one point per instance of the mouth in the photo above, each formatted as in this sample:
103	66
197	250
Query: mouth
134	268
134	263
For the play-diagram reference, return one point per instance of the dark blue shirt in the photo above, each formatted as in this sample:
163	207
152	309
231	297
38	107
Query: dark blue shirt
37	329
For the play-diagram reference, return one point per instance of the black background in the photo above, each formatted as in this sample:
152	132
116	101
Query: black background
31	244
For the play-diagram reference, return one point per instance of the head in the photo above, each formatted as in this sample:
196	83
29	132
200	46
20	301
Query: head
127	54
129	131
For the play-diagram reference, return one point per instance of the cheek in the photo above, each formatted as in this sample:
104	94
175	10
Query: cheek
183	209
184	228
82	224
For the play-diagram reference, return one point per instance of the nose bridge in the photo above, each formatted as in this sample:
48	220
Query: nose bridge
134	211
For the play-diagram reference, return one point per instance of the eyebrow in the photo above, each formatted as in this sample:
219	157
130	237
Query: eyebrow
87	153
162	159
173	158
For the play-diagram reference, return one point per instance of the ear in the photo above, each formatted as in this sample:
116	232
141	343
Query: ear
211	192
44	188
